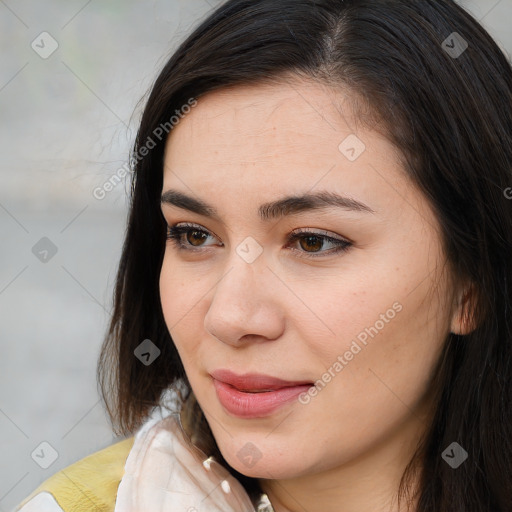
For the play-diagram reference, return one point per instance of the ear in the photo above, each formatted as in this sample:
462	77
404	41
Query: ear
463	317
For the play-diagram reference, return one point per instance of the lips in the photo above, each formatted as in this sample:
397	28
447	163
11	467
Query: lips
252	395
255	383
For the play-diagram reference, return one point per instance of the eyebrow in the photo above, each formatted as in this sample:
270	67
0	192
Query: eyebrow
288	205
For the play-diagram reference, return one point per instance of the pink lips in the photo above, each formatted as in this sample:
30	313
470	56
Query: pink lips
254	395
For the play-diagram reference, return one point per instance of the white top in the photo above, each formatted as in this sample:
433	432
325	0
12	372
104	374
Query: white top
165	471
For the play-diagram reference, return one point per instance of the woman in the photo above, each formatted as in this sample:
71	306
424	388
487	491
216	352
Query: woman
312	309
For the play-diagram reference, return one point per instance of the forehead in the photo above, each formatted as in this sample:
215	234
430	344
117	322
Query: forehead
247	145
244	147
299	124
275	114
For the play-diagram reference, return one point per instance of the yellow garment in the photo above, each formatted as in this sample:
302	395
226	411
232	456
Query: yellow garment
89	484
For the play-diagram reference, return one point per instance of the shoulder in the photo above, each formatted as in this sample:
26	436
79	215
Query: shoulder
89	484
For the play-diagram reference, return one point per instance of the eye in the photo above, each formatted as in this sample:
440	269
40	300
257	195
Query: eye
313	244
194	236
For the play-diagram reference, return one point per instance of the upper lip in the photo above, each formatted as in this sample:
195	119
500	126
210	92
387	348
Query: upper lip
254	381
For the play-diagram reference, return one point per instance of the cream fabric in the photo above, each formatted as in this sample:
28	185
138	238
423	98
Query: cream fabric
158	470
165	472
42	502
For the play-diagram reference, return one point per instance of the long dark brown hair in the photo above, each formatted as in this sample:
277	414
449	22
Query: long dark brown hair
448	110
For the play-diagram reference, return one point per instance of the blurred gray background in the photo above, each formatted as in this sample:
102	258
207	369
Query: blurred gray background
71	75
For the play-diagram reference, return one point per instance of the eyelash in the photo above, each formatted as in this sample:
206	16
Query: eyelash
175	232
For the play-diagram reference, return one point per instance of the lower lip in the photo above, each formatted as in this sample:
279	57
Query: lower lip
255	405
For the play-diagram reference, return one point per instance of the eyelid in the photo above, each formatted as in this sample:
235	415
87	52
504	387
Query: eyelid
192	226
321	232
343	243
298	231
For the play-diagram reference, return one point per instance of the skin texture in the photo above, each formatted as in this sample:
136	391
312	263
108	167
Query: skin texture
290	316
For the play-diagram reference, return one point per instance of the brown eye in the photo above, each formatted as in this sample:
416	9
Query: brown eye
189	237
196	238
311	243
315	245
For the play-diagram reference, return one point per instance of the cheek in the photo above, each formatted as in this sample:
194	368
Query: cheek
180	296
341	308
168	293
383	332
393	370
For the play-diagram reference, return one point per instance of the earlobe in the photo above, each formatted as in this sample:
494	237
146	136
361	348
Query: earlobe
463	319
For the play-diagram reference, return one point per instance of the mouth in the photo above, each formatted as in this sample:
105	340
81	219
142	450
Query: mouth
256	390
255	395
255	383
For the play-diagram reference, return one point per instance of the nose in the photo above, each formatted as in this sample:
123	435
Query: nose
245	306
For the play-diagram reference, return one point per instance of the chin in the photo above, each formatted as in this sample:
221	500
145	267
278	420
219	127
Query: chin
264	463
264	471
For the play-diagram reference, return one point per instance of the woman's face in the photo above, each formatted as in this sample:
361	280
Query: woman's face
358	302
